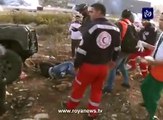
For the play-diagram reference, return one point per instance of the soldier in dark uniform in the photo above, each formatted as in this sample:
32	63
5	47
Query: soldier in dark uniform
101	45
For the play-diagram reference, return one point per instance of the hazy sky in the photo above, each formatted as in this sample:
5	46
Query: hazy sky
33	2
155	2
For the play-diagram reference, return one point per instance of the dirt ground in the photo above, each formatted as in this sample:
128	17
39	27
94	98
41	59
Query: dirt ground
36	94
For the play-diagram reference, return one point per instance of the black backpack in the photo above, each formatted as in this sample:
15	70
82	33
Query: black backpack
129	37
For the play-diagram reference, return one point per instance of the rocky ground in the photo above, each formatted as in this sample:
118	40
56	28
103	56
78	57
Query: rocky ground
36	97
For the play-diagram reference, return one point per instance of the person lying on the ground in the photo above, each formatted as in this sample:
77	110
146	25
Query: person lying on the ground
58	70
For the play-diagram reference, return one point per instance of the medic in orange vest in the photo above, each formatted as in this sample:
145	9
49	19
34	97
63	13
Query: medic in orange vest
152	86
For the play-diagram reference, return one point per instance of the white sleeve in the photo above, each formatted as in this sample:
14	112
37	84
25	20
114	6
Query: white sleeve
79	25
70	27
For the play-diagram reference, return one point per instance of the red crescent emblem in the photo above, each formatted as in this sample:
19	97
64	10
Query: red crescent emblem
103	40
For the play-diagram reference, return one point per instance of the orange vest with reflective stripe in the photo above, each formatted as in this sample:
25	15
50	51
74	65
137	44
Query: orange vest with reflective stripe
124	24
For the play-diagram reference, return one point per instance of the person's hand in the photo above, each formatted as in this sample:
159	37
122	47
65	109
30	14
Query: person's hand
75	29
140	46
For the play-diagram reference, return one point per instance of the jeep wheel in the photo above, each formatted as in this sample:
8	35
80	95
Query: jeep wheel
10	67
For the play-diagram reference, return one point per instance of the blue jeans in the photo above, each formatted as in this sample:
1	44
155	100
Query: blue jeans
59	71
120	64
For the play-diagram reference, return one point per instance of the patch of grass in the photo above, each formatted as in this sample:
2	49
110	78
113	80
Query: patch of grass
46	23
38	18
55	22
23	18
52	29
6	18
53	18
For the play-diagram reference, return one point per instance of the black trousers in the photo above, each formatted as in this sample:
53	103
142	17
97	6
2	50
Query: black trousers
74	45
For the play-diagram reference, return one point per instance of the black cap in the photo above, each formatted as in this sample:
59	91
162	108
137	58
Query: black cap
81	7
126	13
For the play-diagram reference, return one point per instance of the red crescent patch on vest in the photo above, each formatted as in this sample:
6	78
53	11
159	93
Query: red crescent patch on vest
104	40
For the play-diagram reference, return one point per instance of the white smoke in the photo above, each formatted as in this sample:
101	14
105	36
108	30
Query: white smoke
20	2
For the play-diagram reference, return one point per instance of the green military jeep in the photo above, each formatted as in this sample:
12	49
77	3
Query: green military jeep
20	42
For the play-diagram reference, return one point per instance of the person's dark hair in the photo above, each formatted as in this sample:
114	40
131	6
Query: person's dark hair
132	18
77	16
126	13
81	7
100	7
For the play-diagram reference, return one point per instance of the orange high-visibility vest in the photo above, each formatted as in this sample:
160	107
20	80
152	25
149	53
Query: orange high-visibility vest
124	24
157	72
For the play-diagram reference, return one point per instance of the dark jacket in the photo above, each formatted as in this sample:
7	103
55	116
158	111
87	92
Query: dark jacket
129	36
85	23
101	43
148	34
